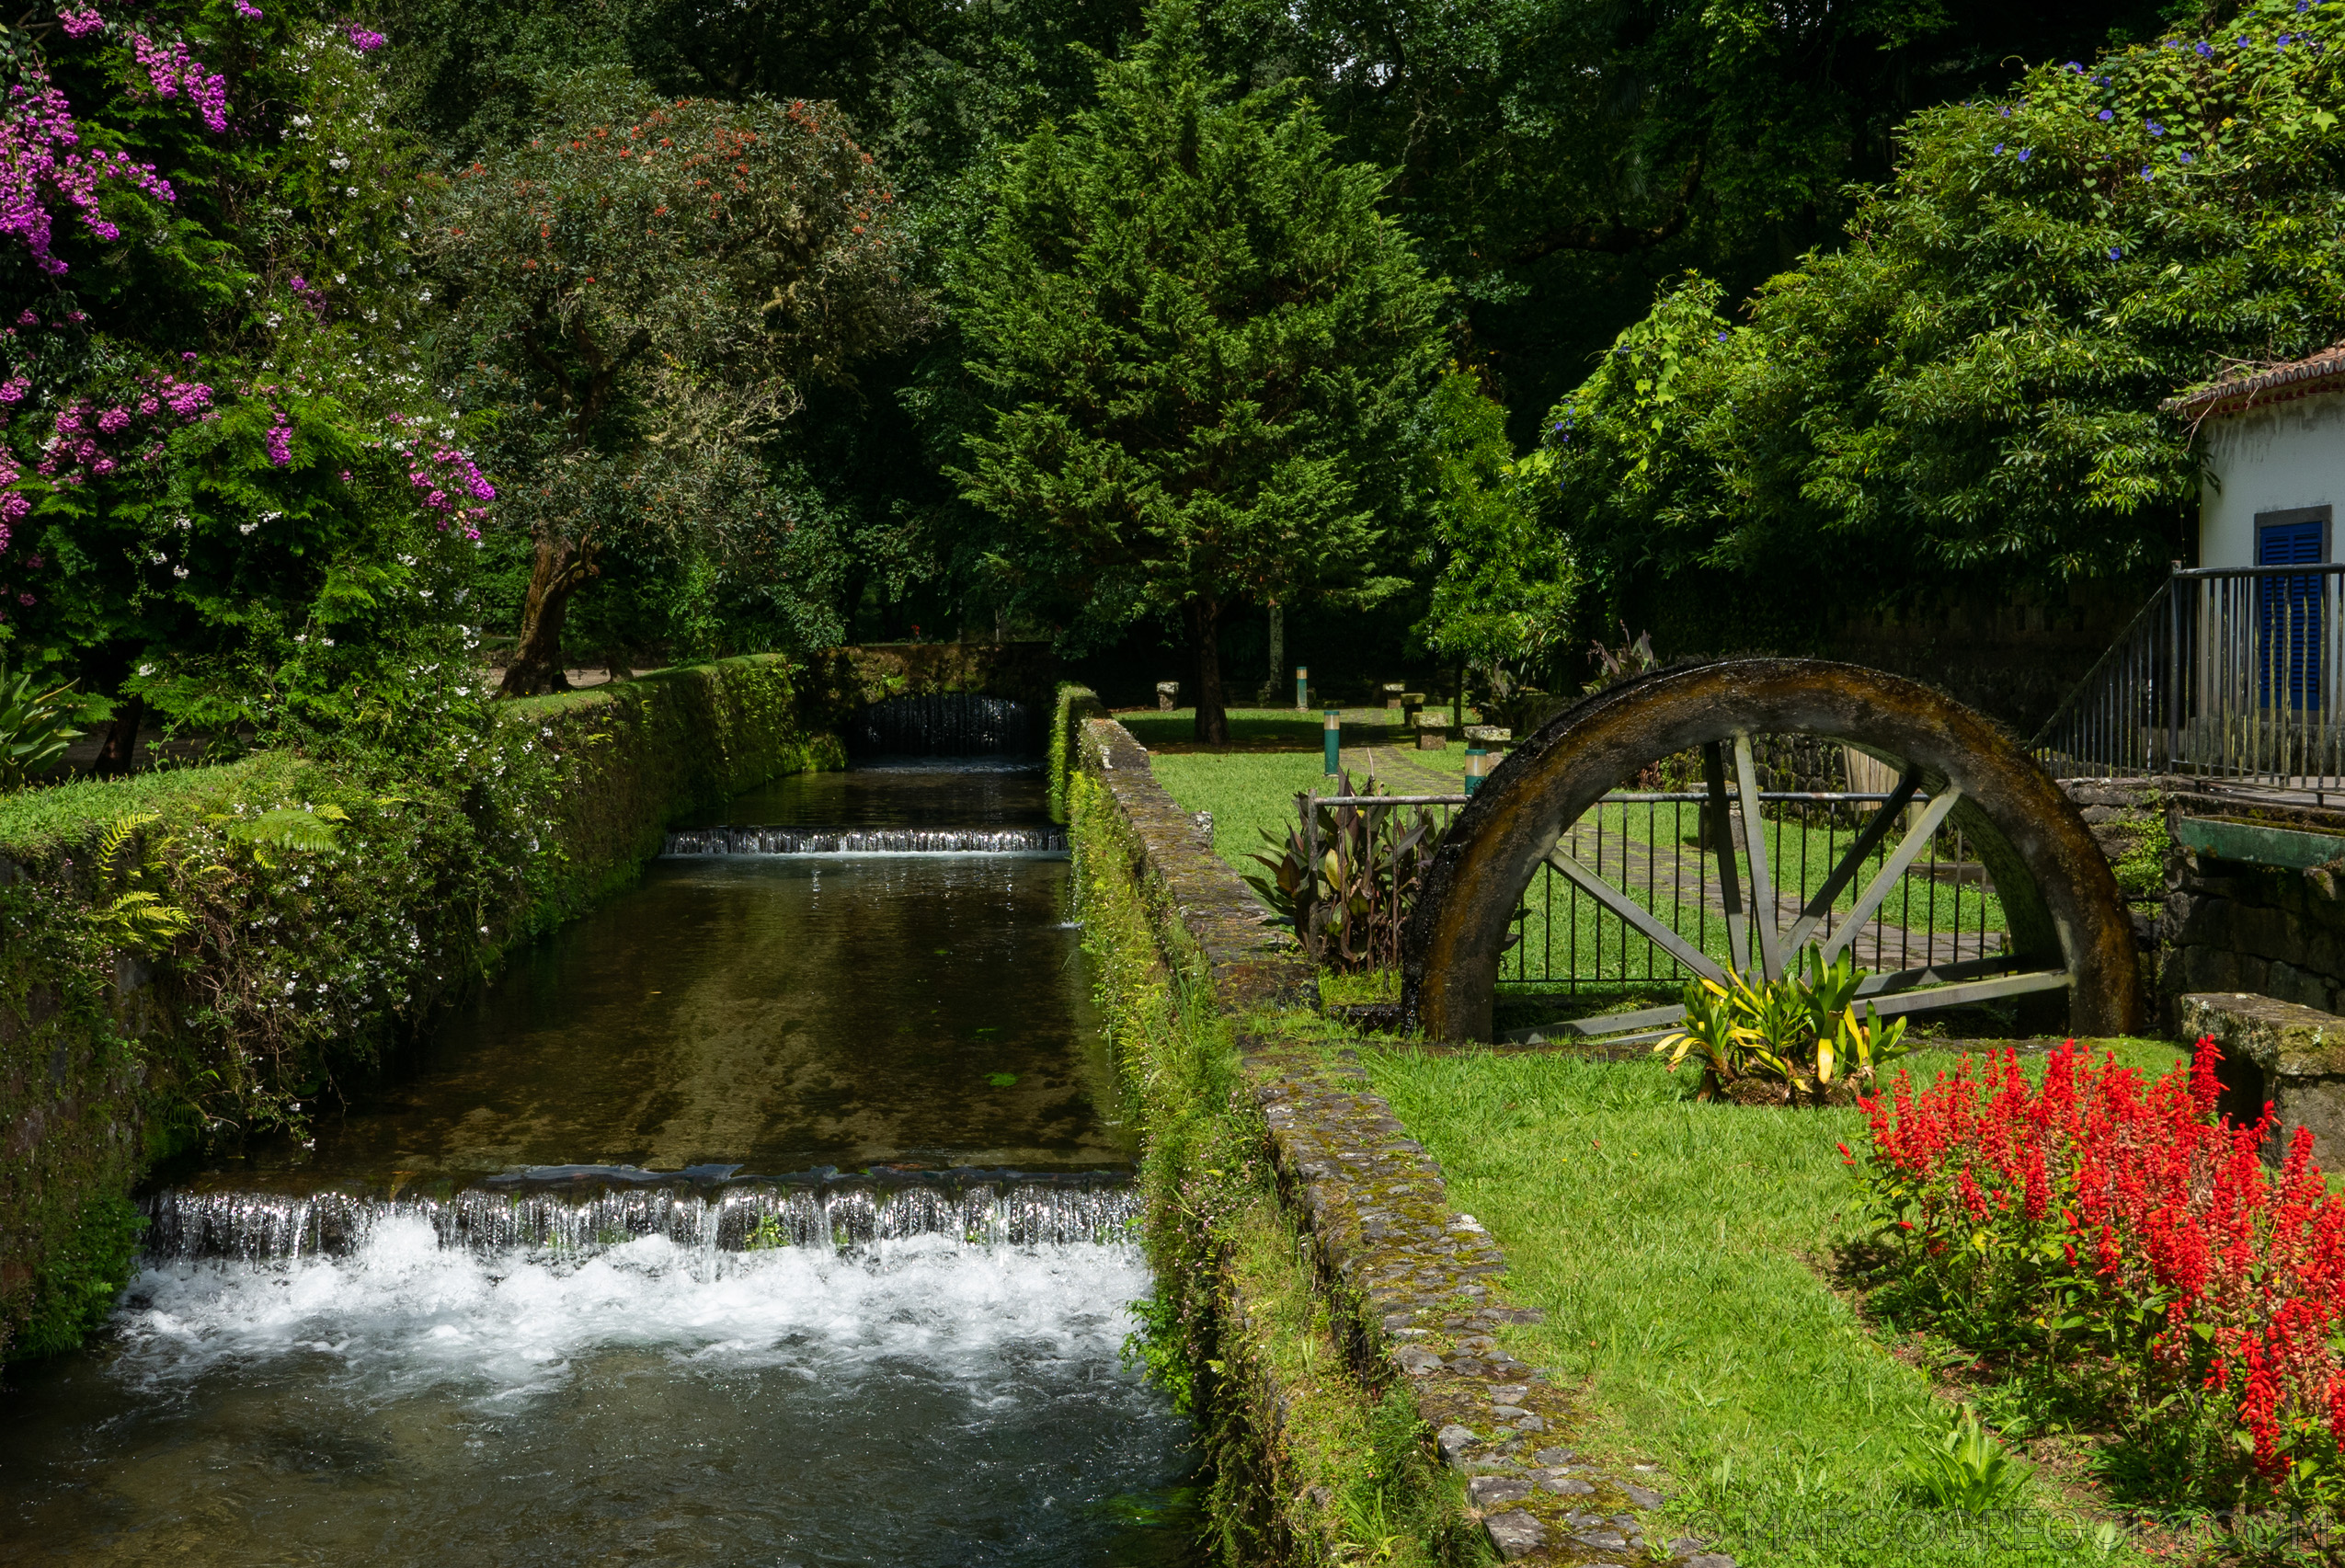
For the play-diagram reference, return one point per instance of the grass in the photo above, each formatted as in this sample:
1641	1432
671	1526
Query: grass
1674	1248
1252	792
37	821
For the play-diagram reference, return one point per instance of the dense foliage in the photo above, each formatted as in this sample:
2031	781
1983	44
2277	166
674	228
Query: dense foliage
232	495
642	292
1971	389
1202	344
2123	1252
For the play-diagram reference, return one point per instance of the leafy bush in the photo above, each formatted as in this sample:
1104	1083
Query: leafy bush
227	491
2121	1249
1346	881
1797	1040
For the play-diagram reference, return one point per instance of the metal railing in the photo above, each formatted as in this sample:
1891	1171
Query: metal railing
1943	914
2230	672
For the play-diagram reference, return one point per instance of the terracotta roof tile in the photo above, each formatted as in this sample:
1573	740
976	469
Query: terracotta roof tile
2252	385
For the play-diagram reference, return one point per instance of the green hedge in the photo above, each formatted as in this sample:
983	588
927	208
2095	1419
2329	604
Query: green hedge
311	941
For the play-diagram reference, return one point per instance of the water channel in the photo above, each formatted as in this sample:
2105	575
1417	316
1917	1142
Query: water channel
776	1213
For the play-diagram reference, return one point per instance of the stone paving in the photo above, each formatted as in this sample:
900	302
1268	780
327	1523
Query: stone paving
1416	1288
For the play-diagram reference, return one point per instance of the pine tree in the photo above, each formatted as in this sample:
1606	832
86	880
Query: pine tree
1201	343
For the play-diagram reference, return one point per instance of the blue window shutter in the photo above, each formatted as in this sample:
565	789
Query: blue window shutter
2290	611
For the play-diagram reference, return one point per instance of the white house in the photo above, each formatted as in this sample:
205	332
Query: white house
2273	451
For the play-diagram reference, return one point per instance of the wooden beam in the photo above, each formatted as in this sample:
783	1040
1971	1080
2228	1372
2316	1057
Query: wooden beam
1893	870
1636	914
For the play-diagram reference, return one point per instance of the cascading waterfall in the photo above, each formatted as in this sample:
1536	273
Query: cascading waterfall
866	841
581	1217
945	724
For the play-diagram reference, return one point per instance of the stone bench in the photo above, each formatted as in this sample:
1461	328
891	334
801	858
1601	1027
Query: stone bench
2281	1053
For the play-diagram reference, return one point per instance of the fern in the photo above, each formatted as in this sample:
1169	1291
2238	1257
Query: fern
136	918
306	828
141	920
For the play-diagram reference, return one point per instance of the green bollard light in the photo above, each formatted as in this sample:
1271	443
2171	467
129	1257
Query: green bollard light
1302	687
1334	741
1477	768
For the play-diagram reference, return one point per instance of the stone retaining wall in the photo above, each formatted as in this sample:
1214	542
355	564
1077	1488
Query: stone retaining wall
2230	926
1414	1289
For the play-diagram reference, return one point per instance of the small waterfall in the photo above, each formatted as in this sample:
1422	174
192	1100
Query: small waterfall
866	841
946	723
576	1212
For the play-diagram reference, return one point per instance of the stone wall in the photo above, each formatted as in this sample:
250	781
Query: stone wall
2266	930
1409	1286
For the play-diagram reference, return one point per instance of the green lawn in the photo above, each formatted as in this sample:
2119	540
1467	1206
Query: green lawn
1250	791
1673	1247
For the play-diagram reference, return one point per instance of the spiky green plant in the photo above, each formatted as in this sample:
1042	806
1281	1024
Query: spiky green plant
36	725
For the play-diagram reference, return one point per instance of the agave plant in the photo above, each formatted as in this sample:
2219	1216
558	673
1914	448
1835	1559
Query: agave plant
36	725
1798	1040
1345	875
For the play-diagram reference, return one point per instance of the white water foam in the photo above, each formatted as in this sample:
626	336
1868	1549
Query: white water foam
402	1313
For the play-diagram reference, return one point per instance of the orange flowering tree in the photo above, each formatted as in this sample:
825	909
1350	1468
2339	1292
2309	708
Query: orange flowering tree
642	293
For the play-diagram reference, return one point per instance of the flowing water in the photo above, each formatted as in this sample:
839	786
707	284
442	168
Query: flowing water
777	1213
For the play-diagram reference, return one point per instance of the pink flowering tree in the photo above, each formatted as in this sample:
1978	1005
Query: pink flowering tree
229	497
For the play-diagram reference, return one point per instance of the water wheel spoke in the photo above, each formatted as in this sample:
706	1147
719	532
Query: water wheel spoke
1884	818
1754	849
1893	871
1635	914
1722	847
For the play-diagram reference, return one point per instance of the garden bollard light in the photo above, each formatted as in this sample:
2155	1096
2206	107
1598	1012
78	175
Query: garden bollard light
1477	768
1302	687
1334	740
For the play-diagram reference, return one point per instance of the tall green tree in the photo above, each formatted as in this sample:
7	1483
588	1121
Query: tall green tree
1202	346
643	291
1502	579
1969	392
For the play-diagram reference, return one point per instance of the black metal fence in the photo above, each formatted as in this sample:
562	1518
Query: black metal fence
1651	849
2233	673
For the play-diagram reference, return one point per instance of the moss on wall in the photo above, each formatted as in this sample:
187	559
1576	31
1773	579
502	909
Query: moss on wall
1307	1461
314	916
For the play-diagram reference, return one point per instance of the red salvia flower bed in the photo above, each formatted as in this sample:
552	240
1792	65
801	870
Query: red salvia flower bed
2118	1234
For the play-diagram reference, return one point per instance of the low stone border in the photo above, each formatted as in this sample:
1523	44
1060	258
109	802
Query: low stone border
1411	1284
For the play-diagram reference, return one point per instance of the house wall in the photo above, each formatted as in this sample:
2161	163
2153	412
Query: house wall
2275	457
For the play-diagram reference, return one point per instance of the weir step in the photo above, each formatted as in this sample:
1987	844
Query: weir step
864	841
584	1217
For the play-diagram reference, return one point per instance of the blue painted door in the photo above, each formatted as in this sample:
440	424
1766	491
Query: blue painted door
2289	609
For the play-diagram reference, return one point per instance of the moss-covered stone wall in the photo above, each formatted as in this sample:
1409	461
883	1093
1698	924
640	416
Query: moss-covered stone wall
1326	1318
264	930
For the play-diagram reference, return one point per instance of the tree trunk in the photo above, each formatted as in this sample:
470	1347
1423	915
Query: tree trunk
555	573
1205	639
1278	656
122	748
